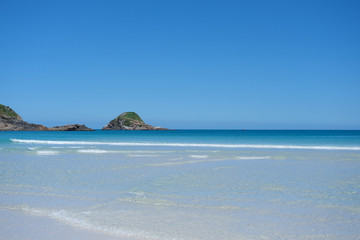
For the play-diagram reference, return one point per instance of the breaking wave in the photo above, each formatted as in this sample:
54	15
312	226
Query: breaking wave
199	156
214	145
94	151
46	152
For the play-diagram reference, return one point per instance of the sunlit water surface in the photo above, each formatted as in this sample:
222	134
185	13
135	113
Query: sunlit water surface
205	185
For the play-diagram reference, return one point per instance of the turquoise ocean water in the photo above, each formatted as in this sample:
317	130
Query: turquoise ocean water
187	184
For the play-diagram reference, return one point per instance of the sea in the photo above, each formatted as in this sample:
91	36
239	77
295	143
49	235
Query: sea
180	185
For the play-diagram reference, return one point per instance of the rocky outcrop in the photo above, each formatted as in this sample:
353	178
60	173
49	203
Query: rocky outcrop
7	113
72	127
11	121
129	121
19	125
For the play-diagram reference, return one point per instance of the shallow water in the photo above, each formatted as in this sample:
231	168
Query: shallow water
187	184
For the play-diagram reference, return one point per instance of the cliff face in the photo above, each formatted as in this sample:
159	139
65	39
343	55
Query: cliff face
11	121
129	121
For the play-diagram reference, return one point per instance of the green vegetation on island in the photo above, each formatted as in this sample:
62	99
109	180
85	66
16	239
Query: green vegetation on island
11	121
8	112
129	121
129	117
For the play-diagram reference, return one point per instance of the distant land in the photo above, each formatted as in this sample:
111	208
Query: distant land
11	121
129	121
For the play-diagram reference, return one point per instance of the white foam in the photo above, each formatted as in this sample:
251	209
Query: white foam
199	156
139	194
258	146
47	152
75	220
99	151
68	147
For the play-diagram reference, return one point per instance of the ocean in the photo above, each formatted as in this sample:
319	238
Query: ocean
180	185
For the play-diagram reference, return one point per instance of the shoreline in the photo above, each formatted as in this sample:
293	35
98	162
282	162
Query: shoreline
19	225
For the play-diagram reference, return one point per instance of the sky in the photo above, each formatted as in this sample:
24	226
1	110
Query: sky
182	64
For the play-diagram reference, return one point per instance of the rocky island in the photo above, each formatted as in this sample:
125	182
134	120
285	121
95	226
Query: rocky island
11	121
72	127
129	121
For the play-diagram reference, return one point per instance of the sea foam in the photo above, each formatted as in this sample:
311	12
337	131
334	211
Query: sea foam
76	220
47	152
199	156
94	151
260	146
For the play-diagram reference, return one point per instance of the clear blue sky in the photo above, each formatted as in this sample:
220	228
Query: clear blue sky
183	64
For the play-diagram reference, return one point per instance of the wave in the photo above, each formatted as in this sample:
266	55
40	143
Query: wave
198	156
68	147
46	152
99	151
79	220
211	145
94	151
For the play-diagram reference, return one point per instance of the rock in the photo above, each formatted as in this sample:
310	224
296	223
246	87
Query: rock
19	125
129	121
72	127
11	121
7	113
